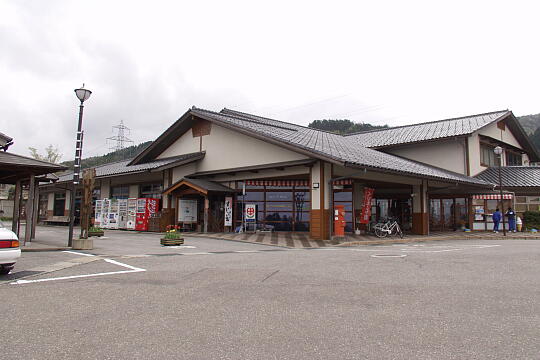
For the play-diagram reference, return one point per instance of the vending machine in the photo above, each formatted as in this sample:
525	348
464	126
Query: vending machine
97	213
131	213
105	204
145	209
122	213
113	214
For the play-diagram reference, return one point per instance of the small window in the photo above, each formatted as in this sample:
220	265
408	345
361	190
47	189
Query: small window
120	192
152	191
487	156
513	159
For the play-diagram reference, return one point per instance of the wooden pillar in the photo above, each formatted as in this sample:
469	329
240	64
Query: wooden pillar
36	211
30	209
17	208
206	207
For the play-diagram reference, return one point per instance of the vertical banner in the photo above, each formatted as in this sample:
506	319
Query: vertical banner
228	211
366	205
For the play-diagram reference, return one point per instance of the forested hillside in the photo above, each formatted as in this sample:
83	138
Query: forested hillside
124	154
531	124
343	126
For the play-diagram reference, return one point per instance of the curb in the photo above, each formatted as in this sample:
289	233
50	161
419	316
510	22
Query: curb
403	241
23	249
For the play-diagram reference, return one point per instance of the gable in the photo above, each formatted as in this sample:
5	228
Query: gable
501	132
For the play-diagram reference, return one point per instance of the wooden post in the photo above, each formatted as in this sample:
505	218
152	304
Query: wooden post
86	204
206	207
36	211
17	208
30	209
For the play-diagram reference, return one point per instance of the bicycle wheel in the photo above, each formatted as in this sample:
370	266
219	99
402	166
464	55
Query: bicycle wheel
380	231
399	232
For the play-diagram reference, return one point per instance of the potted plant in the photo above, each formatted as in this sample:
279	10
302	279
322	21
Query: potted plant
95	231
172	236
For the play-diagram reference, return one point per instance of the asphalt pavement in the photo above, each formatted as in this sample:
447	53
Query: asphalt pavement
215	299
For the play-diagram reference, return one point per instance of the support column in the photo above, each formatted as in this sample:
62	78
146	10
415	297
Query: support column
206	208
36	211
30	209
320	174
17	208
420	225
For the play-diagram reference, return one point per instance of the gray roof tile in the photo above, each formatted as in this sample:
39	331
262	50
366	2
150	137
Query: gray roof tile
426	131
332	146
513	176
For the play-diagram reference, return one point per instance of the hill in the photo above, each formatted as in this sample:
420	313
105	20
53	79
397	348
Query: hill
124	154
531	125
343	126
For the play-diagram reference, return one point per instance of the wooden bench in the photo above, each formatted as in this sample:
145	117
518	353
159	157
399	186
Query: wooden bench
57	220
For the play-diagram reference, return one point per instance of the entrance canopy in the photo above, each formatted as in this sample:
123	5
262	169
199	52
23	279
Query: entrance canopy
199	185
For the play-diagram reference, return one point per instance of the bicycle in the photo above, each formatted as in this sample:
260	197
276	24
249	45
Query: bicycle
384	229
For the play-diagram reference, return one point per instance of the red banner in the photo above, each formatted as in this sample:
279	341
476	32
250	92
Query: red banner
366	205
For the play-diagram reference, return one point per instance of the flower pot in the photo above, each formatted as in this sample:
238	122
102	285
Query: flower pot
82	244
96	233
172	242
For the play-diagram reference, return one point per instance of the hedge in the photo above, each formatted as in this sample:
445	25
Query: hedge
531	219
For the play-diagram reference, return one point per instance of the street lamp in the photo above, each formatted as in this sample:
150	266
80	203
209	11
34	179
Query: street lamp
498	151
83	95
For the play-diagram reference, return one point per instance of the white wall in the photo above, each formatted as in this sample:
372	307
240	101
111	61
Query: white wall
505	136
185	144
446	154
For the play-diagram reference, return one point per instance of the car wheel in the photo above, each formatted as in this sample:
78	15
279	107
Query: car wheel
5	270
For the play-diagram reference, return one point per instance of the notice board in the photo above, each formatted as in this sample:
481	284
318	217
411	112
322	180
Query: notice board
187	210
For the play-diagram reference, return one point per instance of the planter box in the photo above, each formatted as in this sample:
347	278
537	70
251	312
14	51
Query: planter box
83	244
172	242
96	233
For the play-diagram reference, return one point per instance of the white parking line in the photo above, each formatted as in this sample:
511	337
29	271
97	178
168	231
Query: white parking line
133	270
77	253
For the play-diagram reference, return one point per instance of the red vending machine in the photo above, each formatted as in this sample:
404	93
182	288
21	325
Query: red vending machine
145	209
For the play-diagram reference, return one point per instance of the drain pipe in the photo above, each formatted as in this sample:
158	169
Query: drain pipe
331	200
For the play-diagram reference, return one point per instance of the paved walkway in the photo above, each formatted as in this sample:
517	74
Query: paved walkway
302	240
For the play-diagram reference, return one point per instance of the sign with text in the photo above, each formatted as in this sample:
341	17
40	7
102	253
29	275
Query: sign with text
251	212
228	211
366	205
187	210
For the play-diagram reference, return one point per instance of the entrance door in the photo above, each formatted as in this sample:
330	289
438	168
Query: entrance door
443	214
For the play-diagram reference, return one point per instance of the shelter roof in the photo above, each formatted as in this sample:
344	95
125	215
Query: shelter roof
513	176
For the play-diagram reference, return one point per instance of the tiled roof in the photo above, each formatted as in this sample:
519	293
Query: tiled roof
121	167
10	159
426	131
328	145
4	138
513	176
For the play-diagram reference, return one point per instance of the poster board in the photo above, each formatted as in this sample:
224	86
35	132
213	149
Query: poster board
187	210
251	213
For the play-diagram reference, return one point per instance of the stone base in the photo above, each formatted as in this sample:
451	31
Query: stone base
83	244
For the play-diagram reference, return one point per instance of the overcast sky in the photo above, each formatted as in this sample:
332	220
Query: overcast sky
147	62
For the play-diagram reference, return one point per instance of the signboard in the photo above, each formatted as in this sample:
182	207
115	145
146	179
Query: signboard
228	211
251	212
187	210
366	205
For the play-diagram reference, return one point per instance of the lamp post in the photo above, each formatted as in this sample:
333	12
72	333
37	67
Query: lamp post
83	95
498	151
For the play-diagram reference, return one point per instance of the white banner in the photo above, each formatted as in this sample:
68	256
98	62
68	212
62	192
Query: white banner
228	211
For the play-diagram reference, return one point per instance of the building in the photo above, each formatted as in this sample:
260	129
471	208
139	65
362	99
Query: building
422	174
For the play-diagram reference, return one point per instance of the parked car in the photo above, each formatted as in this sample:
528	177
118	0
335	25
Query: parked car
9	249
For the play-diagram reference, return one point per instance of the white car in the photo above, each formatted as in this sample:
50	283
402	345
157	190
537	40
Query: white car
9	250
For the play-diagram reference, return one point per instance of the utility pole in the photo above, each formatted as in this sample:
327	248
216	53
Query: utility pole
118	142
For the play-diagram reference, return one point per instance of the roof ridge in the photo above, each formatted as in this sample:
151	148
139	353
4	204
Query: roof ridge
427	122
281	121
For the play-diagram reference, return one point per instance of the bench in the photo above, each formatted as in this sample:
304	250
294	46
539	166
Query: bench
57	220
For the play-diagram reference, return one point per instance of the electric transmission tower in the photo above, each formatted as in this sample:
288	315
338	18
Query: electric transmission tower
119	141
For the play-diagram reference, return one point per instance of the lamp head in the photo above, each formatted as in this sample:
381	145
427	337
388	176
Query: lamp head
498	150
82	94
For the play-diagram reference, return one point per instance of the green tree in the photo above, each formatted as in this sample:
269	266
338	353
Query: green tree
343	126
52	154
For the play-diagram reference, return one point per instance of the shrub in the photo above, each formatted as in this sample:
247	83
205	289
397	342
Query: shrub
172	232
531	219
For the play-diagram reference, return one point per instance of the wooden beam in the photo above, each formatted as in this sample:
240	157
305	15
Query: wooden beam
30	210
36	211
206	209
17	208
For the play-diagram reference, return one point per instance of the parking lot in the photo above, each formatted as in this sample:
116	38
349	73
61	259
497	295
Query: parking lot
216	299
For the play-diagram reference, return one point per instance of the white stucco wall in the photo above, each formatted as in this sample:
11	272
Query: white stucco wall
50	201
447	154
505	136
185	144
229	149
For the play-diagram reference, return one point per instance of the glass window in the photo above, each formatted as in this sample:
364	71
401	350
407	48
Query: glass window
513	159
59	204
279	216
521	199
343	196
487	156
119	192
254	195
301	226
303	195
152	191
302	216
279	206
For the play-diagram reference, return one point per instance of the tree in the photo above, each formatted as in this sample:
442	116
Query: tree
343	126
52	154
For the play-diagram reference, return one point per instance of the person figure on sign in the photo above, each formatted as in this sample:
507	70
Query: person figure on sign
497	216
511	220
